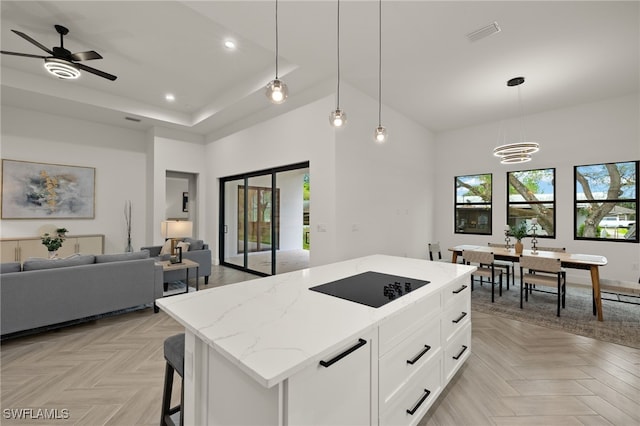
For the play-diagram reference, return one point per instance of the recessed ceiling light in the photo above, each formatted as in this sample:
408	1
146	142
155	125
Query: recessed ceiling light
230	44
169	97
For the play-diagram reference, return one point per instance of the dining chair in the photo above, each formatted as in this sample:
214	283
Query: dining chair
507	265
544	271
435	253
486	268
555	250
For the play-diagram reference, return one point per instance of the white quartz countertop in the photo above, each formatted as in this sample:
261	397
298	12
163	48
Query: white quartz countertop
273	327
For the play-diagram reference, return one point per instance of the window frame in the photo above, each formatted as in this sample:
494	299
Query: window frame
615	201
510	203
456	204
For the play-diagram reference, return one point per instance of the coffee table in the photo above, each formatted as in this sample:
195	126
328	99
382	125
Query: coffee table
186	264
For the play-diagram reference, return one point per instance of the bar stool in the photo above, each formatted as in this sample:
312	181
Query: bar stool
174	354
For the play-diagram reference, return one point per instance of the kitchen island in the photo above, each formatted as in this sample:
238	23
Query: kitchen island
271	351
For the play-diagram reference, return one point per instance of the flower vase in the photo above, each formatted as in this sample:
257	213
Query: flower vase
53	254
518	246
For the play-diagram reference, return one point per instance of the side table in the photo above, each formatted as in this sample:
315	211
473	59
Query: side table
186	265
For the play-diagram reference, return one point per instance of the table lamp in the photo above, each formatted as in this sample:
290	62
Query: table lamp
174	230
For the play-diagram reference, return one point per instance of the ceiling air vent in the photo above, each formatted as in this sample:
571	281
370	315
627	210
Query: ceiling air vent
484	32
137	120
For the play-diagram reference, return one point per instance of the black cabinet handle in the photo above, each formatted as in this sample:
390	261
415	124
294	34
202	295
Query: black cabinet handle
415	408
424	351
457	320
361	342
460	289
464	348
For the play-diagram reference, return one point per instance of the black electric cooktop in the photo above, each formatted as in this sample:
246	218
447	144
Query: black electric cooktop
370	288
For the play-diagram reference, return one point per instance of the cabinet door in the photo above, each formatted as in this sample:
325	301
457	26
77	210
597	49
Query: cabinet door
8	251
336	394
32	248
89	245
68	248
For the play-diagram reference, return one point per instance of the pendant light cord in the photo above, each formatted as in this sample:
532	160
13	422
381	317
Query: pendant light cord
276	39
338	50
380	63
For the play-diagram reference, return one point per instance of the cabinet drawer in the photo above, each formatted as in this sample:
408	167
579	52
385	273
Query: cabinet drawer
457	351
455	317
398	365
396	328
412	402
456	290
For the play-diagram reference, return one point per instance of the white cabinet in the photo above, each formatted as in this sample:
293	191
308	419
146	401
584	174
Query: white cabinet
336	390
20	249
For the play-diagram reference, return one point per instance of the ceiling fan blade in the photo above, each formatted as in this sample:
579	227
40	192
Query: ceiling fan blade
32	41
95	71
22	54
86	56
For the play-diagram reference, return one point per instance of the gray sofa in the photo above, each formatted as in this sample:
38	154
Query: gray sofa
198	252
44	293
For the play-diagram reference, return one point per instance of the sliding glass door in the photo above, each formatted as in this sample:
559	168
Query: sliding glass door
262	217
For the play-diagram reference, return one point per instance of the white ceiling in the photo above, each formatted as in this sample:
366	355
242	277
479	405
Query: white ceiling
570	52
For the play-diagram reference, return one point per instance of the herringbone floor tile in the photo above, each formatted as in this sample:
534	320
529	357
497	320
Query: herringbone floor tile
110	372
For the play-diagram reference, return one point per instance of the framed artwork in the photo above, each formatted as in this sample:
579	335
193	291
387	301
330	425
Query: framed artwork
43	191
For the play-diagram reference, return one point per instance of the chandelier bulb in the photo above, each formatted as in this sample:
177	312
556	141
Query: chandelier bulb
277	91
338	118
380	134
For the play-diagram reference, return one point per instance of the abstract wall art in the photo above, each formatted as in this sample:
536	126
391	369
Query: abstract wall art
40	190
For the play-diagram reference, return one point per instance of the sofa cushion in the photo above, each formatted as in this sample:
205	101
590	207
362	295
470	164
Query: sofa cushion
194	244
119	257
33	264
10	267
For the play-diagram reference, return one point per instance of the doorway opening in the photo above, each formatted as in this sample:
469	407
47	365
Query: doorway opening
264	220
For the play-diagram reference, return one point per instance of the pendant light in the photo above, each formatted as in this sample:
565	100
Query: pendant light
380	134
277	91
517	152
338	117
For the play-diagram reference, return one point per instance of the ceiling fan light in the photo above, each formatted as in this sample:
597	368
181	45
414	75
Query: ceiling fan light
277	91
338	118
380	135
61	69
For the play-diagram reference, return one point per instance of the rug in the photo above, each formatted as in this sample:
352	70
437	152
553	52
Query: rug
621	323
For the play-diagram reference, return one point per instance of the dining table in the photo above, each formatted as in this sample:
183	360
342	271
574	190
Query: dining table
588	262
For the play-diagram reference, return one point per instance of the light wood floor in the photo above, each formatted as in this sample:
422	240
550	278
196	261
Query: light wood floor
110	372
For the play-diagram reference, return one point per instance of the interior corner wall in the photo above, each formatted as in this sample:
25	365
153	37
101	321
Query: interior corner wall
177	152
117	154
385	193
365	198
592	133
297	136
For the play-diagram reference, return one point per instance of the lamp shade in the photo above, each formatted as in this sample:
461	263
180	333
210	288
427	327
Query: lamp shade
176	228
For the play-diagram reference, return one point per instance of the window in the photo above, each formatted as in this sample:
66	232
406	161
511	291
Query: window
532	194
473	204
606	202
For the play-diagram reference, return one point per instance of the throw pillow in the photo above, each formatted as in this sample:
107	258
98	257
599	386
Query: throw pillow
184	246
118	257
166	248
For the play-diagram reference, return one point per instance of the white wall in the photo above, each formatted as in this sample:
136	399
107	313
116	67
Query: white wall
605	131
385	191
118	155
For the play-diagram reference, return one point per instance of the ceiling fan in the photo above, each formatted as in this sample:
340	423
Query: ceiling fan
62	63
